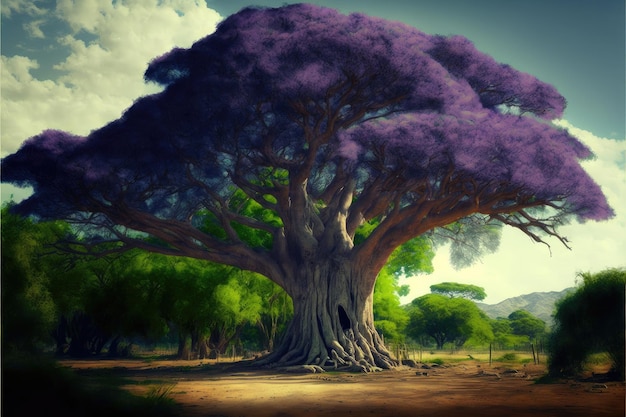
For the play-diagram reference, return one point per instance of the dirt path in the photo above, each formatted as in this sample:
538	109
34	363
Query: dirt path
470	389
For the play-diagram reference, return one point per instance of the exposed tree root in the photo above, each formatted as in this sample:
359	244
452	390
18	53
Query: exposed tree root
302	369
355	357
333	325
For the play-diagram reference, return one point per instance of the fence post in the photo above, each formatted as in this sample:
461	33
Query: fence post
489	354
539	349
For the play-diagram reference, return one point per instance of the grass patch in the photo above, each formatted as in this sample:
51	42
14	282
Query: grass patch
602	358
473	355
148	382
159	396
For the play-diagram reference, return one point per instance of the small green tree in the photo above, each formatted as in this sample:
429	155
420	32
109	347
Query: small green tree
123	297
503	335
447	320
454	289
188	289
207	304
276	311
389	316
106	300
524	323
234	304
590	320
412	258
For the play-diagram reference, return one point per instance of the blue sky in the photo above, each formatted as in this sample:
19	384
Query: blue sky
77	64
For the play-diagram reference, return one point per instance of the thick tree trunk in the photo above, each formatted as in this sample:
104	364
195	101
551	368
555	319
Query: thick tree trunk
114	347
333	323
60	336
203	349
439	340
184	346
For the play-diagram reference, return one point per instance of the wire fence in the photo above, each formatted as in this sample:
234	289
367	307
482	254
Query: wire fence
165	350
528	352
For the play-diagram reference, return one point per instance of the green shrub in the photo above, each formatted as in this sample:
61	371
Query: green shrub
588	321
159	396
507	357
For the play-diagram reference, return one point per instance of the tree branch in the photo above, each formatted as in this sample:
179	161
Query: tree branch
526	223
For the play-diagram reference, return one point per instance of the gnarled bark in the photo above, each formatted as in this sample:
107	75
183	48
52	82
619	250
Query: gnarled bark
333	323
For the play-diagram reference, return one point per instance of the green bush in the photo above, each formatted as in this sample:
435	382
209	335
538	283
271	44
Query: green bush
590	320
507	357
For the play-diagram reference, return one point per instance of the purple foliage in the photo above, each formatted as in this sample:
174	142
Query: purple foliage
272	86
495	83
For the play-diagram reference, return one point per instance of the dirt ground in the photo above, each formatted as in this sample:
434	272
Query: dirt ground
466	389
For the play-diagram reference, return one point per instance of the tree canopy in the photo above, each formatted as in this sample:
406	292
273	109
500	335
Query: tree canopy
454	289
447	320
328	123
525	324
304	97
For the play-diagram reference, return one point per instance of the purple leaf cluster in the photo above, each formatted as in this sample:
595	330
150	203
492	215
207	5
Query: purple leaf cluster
317	94
496	84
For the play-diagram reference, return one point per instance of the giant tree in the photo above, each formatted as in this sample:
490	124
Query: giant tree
328	122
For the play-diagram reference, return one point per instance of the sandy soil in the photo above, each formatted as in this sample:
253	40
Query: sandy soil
467	389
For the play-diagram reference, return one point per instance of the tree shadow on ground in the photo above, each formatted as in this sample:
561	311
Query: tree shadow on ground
42	387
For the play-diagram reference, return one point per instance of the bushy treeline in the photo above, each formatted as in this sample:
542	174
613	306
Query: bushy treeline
438	321
588	320
82	305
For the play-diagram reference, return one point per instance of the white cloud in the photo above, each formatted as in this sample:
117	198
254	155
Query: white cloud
28	105
521	266
101	78
34	28
28	7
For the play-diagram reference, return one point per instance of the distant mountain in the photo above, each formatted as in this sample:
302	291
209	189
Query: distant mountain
539	304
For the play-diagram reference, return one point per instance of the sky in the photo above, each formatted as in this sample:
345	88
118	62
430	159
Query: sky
75	65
